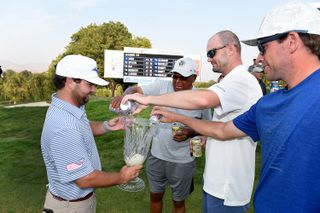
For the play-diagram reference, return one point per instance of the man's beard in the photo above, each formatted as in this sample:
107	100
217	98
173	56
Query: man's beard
84	100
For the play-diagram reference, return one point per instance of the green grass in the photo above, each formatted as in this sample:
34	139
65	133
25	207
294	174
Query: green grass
23	177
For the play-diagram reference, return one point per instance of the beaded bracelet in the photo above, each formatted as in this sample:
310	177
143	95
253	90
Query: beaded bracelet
106	126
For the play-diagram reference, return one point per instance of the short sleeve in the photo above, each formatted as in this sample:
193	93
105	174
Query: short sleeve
70	155
232	95
207	114
158	87
246	122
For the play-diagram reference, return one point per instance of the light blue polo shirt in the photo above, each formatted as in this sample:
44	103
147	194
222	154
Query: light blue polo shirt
68	148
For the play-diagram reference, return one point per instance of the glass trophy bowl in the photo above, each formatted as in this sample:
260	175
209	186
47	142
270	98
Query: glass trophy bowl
137	140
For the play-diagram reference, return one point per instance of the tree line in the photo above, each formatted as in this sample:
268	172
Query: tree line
25	86
91	41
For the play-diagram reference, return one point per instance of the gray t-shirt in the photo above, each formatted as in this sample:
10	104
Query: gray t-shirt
163	146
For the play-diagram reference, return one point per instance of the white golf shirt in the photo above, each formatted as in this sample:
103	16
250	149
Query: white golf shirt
230	165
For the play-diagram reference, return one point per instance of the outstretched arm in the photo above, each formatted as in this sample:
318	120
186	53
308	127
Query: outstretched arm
217	130
100	128
187	99
115	103
105	179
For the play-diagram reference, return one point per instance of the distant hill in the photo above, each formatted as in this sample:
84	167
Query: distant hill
32	67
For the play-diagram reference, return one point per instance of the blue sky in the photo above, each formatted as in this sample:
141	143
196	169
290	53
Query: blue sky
36	31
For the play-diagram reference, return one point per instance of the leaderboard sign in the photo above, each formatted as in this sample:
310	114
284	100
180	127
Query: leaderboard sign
141	64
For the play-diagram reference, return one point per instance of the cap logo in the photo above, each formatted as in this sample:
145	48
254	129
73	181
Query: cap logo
181	63
96	70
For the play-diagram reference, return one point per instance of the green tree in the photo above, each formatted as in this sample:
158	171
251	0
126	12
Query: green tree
15	86
4	85
141	42
24	86
94	39
90	41
48	84
2	95
48	87
36	87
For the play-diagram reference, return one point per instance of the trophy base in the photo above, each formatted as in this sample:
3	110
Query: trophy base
135	185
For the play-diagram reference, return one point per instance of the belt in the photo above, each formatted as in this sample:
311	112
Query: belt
76	200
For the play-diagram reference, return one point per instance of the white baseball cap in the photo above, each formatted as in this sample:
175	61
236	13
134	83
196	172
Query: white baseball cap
185	67
293	16
257	68
82	67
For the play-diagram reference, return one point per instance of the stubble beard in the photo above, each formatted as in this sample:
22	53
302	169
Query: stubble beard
81	100
84	100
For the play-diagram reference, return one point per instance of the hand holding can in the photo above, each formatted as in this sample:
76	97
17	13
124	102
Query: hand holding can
176	128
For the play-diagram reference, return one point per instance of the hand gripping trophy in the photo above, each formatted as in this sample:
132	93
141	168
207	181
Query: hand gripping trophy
137	140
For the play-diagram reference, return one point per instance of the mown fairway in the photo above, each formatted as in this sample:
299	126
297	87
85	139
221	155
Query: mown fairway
23	177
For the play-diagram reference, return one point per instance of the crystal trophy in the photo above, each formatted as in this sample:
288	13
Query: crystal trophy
137	140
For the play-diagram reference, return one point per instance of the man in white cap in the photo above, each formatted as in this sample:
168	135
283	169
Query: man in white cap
230	166
67	142
257	71
169	162
285	122
289	45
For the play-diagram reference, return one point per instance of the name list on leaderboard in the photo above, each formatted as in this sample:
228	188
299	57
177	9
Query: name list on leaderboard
136	64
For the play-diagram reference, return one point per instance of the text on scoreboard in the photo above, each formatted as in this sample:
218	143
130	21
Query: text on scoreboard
149	65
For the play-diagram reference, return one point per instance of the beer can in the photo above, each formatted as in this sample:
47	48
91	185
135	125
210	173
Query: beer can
176	127
196	147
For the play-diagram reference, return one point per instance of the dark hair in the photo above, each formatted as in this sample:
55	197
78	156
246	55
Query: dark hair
59	81
312	42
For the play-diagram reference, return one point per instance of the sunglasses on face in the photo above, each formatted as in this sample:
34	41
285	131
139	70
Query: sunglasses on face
263	41
180	77
211	53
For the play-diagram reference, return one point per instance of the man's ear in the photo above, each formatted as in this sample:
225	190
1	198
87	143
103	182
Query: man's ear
294	42
70	83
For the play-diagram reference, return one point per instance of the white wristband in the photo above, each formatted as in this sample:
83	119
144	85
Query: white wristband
106	126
